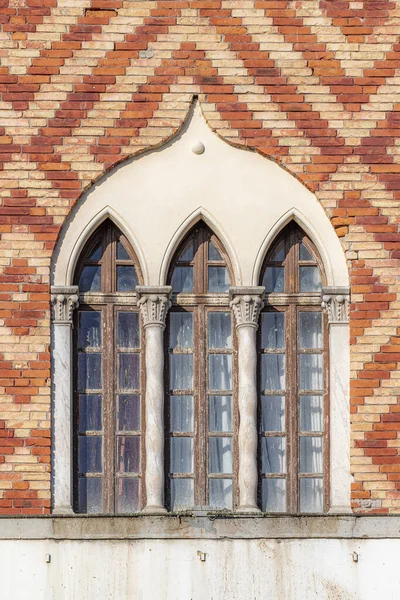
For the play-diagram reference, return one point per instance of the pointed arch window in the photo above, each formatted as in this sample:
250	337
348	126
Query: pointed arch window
200	408
108	381
293	378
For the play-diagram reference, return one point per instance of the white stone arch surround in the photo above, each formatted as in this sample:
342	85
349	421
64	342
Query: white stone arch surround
155	199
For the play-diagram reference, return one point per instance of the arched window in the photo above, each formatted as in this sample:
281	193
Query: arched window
200	410
108	382
293	378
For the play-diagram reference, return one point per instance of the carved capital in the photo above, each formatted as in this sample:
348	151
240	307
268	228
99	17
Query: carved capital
64	300
246	303
154	303
336	301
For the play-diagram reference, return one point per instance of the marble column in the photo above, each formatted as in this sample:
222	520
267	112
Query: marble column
246	304
336	302
154	304
63	300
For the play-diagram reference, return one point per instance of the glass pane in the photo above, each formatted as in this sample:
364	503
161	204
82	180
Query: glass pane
273	330
220	455
311	413
89	329
181	455
273	371
89	372
181	371
96	252
213	253
273	495
305	254
90	454
129	412
187	254
126	278
220	493
310	329
278	254
181	330
219	330
128	454
182	279
90	416
182	493
311	372
122	253
127	494
273	413
218	279
128	330
129	365
90	279
311	495
182	415
90	494
220	371
273	454
274	279
311	455
220	413
310	279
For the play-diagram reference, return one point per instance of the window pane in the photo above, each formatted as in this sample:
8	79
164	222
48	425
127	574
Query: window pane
274	279
90	279
311	372
90	454
220	371
311	455
220	493
273	330
129	365
220	455
126	278
90	416
273	413
273	495
273	371
89	329
128	454
182	493
213	253
182	280
127	494
219	330
181	371
187	254
310	279
89	372
220	413
181	330
311	413
96	252
122	253
129	412
182	416
181	454
128	330
311	495
278	254
305	254
273	454
218	279
310	329
90	494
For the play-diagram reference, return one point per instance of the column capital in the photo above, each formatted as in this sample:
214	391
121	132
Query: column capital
336	300
154	303
246	303
64	300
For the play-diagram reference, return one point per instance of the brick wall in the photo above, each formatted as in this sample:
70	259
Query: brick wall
313	85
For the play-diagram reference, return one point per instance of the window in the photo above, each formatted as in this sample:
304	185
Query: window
108	381
200	410
293	378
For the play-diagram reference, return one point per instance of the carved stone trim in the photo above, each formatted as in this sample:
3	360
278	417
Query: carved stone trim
337	303
154	303
246	303
64	300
